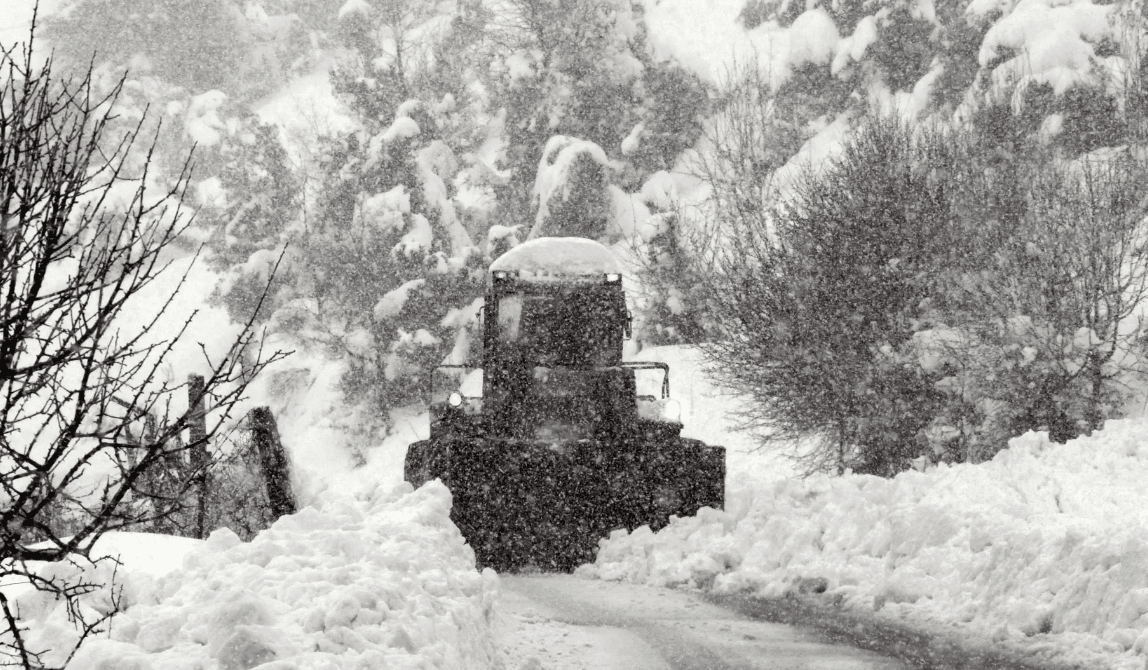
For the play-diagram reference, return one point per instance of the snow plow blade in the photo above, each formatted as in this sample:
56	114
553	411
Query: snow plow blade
523	503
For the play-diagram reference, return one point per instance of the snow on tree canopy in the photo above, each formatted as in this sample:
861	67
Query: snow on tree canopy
204	124
555	258
355	7
569	188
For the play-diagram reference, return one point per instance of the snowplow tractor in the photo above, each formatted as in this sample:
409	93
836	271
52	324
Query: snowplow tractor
554	441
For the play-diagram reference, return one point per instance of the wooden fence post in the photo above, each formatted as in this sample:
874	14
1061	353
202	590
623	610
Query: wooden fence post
200	459
272	458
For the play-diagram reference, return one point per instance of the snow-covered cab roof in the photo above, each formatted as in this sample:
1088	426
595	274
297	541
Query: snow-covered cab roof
556	259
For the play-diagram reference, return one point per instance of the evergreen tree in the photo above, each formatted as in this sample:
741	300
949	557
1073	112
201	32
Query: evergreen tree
250	212
381	268
581	70
571	192
671	308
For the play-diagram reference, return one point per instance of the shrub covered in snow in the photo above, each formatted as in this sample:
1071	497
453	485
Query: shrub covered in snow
570	189
921	294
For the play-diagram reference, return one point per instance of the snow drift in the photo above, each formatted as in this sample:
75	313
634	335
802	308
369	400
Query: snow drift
1045	546
384	582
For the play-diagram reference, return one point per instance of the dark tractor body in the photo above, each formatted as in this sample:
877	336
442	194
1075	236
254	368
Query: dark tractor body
562	441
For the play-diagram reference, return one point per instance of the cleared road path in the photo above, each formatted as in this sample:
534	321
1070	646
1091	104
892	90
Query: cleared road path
562	622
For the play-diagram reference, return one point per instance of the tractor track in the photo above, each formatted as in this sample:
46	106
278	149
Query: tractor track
563	622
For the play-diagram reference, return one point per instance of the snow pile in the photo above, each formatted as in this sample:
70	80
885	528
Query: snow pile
545	257
203	122
1053	41
1045	546
387	582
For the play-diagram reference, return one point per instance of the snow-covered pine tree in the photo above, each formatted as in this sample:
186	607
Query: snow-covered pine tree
249	212
581	70
586	114
197	65
671	307
382	260
393	43
571	194
1061	80
382	271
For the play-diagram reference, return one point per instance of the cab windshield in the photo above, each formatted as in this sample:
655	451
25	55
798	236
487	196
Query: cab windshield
576	328
563	404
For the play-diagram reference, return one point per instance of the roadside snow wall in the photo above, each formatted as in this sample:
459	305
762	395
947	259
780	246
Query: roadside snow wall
385	583
1045	546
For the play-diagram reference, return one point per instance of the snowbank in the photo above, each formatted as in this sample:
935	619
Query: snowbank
1044	547
386	582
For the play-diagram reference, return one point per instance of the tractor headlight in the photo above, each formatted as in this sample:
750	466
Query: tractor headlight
672	410
455	399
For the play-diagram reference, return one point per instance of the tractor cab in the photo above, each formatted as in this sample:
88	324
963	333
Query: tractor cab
552	440
553	324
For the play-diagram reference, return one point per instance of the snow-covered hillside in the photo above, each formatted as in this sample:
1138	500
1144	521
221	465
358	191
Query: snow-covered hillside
1041	548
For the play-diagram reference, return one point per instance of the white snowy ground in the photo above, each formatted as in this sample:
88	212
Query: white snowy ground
563	622
1044	548
385	582
371	572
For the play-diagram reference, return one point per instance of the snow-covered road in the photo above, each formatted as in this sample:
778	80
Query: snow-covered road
563	622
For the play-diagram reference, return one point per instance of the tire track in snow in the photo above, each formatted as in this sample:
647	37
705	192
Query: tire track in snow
562	622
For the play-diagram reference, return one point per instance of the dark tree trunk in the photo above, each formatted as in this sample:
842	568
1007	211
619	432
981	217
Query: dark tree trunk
197	439
273	459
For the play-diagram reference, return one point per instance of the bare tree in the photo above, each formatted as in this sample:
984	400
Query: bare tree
85	408
815	290
747	140
925	293
1050	317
